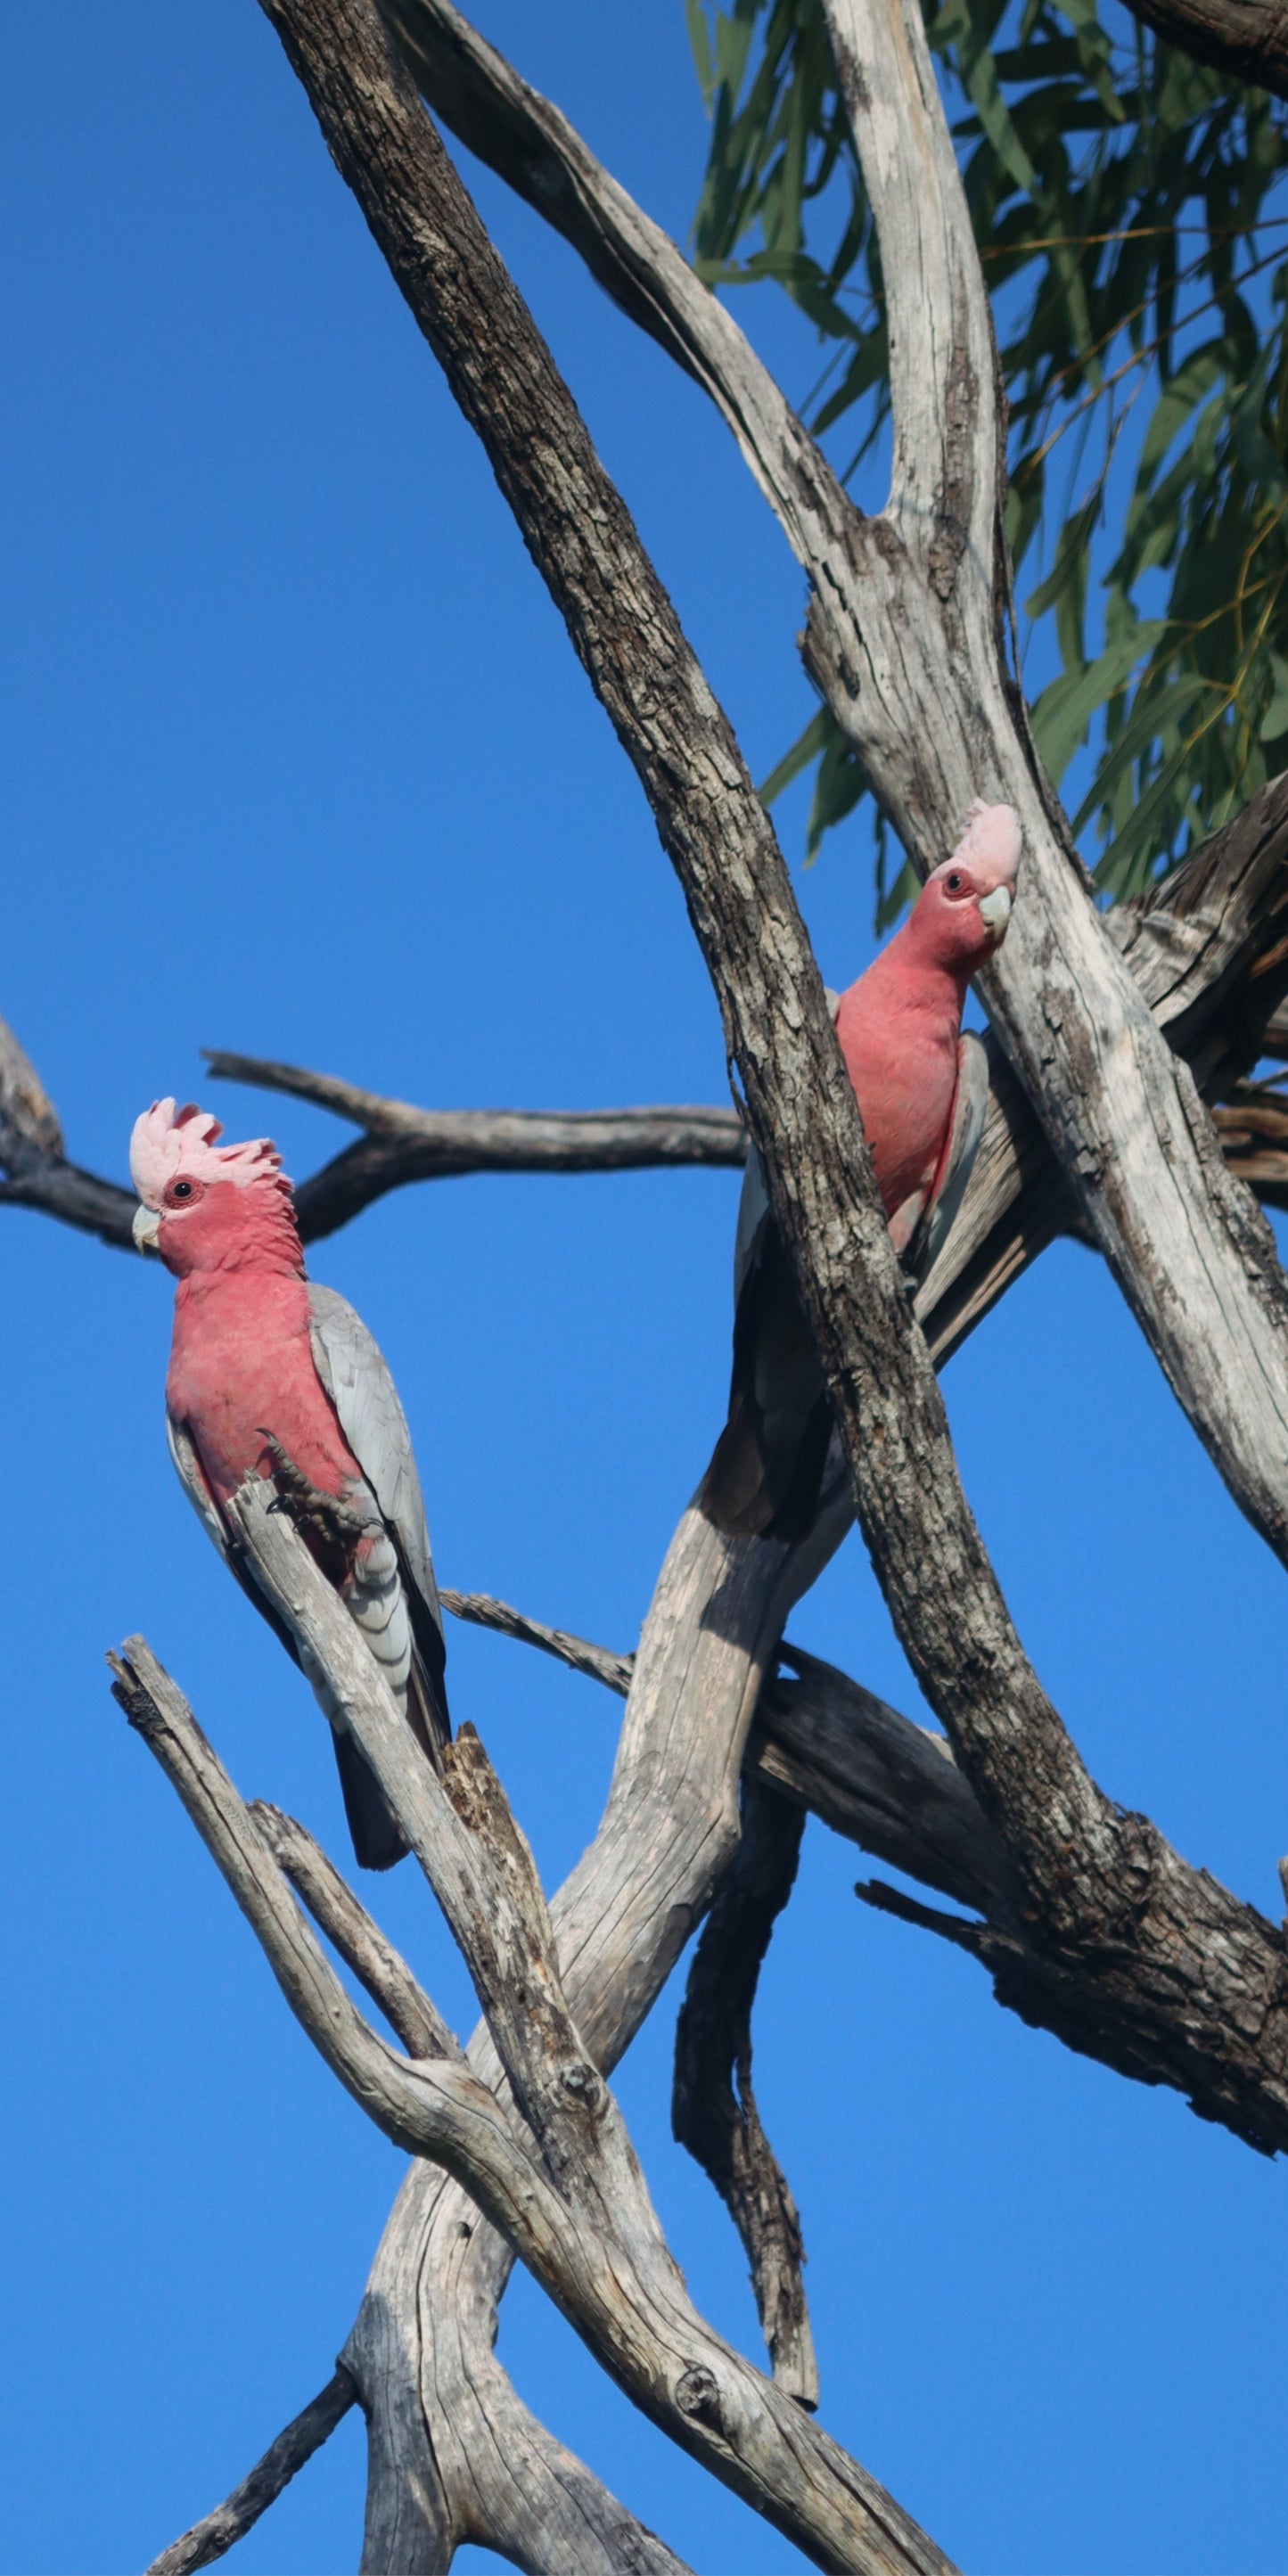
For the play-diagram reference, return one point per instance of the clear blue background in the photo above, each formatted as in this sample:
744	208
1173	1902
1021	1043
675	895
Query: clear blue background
294	757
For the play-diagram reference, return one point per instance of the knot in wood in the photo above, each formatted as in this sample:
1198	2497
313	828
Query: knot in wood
585	2084
697	2394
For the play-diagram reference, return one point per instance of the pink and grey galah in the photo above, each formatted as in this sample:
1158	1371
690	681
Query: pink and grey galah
262	1354
922	1089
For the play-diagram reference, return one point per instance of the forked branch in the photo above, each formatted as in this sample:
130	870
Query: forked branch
566	2193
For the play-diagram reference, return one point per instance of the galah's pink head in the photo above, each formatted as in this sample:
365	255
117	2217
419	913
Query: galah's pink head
960	917
207	1206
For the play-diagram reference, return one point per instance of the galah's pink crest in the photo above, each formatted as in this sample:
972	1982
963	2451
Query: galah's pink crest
260	1349
922	1089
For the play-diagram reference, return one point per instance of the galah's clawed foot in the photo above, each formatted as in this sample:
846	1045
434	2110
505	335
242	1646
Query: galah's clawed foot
332	1520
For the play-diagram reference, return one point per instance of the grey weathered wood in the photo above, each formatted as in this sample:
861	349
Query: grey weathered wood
218	2532
1082	1869
788	1074
481	1610
1202	946
904	637
27	1114
350	1930
1205	1965
1067	1843
923	692
591	2238
833	1747
421	2347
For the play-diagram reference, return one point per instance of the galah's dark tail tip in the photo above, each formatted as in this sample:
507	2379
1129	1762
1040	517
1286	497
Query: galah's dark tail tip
427	1707
762	1487
378	1838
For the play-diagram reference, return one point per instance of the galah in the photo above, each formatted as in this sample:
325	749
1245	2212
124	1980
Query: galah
270	1372
922	1089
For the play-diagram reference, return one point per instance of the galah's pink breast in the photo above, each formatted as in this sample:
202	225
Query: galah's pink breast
900	1050
241	1362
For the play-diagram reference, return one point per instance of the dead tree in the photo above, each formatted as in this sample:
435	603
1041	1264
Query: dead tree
1121	1109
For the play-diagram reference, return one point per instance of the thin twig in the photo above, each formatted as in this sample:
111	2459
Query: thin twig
218	2532
349	1928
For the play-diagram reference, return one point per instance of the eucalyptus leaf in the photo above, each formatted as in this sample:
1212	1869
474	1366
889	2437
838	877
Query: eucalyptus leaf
1131	209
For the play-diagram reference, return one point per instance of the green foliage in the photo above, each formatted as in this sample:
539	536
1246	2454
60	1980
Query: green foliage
1132	216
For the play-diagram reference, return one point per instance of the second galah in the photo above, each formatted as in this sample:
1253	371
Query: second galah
266	1367
922	1089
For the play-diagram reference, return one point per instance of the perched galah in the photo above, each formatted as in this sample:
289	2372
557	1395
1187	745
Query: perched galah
922	1089
267	1368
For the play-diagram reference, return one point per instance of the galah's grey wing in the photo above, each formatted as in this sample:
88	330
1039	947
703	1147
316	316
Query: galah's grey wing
970	1105
354	1372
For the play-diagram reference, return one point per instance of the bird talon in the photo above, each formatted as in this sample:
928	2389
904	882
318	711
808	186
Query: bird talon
306	1503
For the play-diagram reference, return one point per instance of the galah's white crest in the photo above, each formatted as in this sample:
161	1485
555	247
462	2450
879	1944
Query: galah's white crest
261	1351
922	1089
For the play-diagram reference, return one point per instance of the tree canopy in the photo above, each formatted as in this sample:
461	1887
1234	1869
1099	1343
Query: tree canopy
1131	213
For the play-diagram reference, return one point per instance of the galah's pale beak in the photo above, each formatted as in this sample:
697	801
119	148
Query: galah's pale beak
146	1228
995	910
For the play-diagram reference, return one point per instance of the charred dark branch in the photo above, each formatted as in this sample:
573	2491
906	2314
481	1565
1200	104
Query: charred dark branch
928	1918
1248	39
713	2104
218	2532
403	1144
879	1780
1253	1128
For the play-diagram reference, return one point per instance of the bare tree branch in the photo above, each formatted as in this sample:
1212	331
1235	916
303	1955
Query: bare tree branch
904	640
421	2349
1206	949
832	1747
879	1780
349	1928
1204	946
722	2128
480	1610
1083	1869
590	2235
28	1118
218	2532
404	1144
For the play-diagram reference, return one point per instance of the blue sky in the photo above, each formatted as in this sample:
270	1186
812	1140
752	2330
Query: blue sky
294	757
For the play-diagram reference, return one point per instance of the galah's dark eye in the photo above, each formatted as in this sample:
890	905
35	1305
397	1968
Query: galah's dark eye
182	1190
953	882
